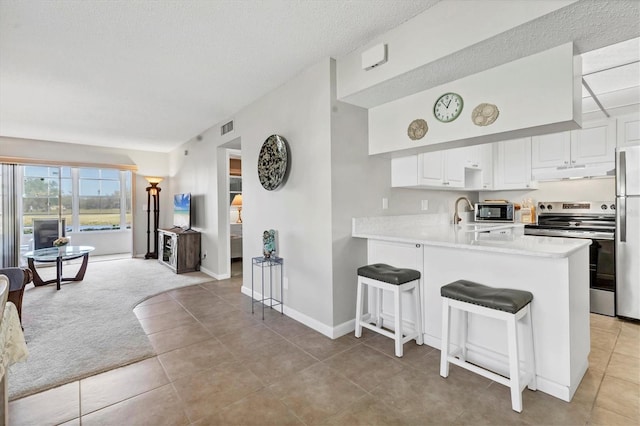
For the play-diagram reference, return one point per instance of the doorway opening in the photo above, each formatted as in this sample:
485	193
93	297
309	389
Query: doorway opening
234	165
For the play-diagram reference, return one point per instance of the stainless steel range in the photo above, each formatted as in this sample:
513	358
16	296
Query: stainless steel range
594	220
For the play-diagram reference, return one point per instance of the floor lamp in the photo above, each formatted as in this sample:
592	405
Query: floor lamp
153	196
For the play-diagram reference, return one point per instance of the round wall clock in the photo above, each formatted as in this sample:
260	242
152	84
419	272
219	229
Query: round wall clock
448	107
273	162
417	129
485	114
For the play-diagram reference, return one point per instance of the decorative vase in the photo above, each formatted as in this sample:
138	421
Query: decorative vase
269	243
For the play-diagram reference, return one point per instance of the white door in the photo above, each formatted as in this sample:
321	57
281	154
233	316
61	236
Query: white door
550	150
594	143
514	164
430	168
454	164
627	255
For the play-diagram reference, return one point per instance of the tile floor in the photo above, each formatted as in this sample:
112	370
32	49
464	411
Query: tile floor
218	364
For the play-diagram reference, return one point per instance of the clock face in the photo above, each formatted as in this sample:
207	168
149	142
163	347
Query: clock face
448	107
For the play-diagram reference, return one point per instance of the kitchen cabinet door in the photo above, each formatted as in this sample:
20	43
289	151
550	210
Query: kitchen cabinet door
404	171
455	161
513	167
628	129
486	164
431	169
552	150
595	143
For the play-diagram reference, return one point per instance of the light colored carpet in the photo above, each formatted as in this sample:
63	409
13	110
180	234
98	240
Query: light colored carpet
88	326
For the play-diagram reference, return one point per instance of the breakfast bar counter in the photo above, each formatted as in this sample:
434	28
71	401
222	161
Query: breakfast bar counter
555	270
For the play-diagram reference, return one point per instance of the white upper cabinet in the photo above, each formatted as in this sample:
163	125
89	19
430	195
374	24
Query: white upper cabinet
512	168
552	150
594	143
629	130
578	153
485	155
449	169
431	169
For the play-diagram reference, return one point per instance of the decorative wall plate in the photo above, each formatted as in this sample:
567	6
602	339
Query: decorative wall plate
485	114
448	107
273	162
417	129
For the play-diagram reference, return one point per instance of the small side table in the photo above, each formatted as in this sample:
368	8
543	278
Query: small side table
268	263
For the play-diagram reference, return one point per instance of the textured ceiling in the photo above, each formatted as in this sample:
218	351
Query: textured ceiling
153	74
589	24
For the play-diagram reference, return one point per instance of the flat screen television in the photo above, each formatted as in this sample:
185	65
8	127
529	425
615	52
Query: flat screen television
182	211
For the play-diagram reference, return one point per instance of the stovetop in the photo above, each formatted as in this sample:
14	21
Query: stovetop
584	219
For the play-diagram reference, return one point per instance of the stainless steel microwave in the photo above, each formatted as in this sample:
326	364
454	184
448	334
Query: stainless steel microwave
494	212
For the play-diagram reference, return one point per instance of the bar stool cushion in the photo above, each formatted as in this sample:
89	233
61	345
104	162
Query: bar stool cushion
388	274
502	299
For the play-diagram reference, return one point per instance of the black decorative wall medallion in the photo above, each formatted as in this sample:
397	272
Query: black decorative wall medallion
273	162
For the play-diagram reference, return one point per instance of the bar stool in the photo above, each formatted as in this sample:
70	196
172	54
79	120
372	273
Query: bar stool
501	303
396	280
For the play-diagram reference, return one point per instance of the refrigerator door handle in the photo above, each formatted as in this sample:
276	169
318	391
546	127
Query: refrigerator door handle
622	215
621	174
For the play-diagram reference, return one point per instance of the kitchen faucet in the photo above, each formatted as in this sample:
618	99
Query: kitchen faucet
456	216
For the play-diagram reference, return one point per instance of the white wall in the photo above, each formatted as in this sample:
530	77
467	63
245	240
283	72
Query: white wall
358	184
300	210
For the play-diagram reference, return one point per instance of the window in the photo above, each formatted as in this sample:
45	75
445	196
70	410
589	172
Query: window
99	199
41	188
91	199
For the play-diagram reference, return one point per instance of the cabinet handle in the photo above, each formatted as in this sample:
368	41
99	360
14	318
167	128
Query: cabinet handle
445	183
417	245
573	161
527	185
474	165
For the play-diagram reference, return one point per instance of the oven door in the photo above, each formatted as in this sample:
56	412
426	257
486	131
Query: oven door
602	271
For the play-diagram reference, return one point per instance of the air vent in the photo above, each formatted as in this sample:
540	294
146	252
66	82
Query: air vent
226	128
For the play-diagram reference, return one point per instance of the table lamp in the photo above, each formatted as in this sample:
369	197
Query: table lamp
237	201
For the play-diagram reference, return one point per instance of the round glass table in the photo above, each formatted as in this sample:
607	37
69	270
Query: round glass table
58	255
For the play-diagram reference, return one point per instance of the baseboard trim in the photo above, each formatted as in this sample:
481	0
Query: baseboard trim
212	274
331	332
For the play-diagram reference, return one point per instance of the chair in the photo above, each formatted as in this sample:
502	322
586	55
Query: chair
45	232
13	348
501	303
18	279
4	390
383	277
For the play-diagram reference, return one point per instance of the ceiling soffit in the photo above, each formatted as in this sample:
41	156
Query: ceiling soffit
587	23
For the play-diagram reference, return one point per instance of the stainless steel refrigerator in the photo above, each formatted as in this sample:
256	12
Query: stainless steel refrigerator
628	232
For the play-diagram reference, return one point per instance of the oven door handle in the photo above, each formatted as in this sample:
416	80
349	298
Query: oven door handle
621	208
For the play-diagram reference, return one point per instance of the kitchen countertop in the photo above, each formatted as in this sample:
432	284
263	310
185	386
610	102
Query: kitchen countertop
433	230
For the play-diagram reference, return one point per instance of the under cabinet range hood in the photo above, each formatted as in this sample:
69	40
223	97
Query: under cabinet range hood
568	172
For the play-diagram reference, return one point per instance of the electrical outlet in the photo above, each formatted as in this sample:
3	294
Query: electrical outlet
285	283
425	205
385	203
